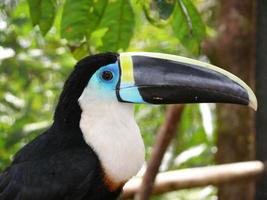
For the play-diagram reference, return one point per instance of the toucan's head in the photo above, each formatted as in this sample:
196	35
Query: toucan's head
153	78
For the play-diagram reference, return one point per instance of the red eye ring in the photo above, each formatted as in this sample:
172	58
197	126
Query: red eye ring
107	75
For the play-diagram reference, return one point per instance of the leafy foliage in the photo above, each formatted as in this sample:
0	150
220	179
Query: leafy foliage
188	25
99	25
119	20
74	24
42	14
32	71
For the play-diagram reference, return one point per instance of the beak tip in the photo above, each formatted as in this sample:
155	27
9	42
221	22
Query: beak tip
253	103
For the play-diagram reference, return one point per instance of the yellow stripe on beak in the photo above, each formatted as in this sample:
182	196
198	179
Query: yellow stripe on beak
126	65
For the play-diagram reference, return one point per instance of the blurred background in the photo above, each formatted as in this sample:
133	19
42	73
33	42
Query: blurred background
41	40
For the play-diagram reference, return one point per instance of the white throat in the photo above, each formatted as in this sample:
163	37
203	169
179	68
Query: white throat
110	129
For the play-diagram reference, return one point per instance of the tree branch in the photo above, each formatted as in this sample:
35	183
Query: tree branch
196	177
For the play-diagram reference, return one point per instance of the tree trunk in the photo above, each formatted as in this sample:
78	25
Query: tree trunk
261	89
233	49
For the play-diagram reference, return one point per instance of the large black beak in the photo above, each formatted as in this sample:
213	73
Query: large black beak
158	78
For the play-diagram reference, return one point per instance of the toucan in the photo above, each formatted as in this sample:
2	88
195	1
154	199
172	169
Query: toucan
94	146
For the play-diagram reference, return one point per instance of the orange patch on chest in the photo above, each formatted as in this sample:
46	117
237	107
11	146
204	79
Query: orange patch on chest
111	185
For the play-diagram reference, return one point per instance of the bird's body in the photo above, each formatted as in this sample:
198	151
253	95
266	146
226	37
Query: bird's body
94	144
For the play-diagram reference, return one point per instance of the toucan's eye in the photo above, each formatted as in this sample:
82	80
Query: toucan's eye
107	75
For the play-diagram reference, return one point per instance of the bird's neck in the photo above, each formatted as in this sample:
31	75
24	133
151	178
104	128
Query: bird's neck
110	129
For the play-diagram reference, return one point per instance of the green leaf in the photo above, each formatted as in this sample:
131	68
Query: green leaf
87	19
47	15
34	6
75	19
42	13
96	37
96	14
119	19
81	51
188	26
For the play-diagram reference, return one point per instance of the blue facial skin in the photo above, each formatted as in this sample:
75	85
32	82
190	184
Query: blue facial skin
107	88
130	93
